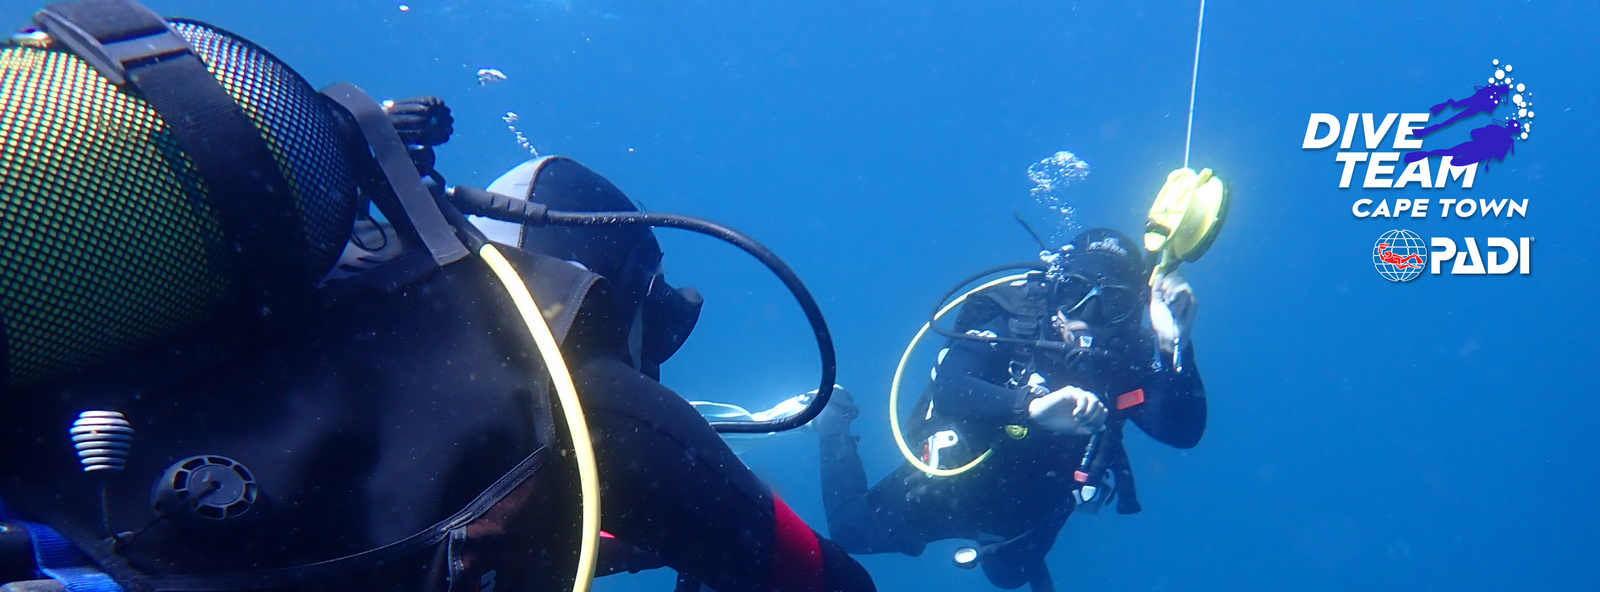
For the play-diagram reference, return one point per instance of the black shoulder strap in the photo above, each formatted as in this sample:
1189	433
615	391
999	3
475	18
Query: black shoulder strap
136	49
418	218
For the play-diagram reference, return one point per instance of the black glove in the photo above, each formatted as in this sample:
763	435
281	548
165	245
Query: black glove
422	121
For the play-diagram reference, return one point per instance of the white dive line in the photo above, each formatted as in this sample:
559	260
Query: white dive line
1194	78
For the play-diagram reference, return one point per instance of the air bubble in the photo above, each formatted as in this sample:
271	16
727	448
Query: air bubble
511	120
488	76
1516	99
1050	177
1521	87
1508	67
1499	74
1524	135
1497	62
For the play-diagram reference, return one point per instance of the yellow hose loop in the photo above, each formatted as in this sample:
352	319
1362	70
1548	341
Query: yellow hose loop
894	387
572	412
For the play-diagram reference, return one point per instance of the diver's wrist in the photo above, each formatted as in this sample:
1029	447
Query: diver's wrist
1027	397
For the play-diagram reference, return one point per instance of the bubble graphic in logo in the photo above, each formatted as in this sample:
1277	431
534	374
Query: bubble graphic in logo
1399	255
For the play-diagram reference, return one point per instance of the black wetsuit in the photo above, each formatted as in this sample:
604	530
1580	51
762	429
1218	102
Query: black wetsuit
680	491
398	405
1021	496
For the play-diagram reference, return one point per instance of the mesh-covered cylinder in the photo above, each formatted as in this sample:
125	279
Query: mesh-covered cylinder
109	238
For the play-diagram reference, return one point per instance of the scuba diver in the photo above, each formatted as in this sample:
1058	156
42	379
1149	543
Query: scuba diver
1484	99
1490	142
1042	369
250	340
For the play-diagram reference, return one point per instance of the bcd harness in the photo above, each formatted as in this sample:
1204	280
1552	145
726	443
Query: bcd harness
1104	455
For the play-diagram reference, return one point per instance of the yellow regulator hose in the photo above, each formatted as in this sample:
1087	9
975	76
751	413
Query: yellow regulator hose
894	387
572	412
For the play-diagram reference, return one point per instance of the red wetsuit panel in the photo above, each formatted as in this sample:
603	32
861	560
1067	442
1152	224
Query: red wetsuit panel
797	565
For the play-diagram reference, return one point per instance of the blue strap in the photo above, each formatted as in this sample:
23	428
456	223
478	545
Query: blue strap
60	561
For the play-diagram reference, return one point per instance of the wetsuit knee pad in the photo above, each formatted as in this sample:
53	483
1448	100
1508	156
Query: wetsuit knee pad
805	562
797	564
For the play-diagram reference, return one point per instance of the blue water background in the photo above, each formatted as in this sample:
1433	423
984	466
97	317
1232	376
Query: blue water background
1364	435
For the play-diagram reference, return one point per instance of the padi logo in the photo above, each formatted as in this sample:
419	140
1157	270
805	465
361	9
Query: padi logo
1400	256
1108	244
1428	169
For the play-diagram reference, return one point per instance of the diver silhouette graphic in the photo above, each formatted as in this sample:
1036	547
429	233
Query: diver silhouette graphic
1485	100
1490	142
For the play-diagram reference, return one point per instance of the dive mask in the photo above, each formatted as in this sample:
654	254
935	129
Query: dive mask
1081	298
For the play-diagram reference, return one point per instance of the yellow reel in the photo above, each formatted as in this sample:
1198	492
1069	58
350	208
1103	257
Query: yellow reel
1186	217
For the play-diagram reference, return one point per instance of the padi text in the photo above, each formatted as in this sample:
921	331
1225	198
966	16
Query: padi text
1500	256
1323	130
